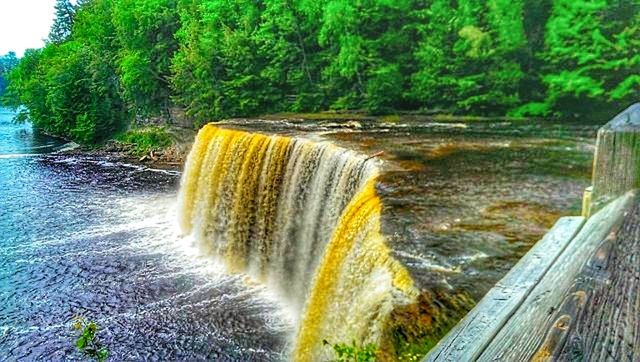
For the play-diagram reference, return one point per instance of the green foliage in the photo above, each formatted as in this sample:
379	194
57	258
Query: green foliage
71	89
353	352
533	109
67	90
145	32
114	61
146	140
367	47
469	56
63	22
217	69
7	63
591	58
88	343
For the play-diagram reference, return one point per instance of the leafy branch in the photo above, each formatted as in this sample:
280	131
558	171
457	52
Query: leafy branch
353	352
87	342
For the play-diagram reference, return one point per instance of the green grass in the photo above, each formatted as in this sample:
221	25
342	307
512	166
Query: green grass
145	140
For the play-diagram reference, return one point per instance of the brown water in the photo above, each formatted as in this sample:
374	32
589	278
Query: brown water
85	235
462	201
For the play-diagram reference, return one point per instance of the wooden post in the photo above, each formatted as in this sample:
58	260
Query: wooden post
586	201
616	165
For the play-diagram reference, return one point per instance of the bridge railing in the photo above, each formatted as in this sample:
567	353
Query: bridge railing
616	164
512	320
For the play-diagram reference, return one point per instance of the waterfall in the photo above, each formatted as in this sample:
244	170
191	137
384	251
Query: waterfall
304	218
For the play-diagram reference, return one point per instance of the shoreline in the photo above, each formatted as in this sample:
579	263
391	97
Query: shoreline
171	158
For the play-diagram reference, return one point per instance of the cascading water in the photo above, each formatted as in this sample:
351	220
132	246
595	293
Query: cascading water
303	217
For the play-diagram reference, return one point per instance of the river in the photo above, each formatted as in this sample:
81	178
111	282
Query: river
463	201
88	236
92	236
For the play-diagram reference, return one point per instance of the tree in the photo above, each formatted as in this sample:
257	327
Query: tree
145	34
63	22
469	56
369	46
65	90
591	61
219	58
217	70
71	88
535	16
286	40
7	63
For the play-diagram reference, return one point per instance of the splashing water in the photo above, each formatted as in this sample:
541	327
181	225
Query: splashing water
303	217
94	236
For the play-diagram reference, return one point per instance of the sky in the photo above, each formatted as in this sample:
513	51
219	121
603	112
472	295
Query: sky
24	24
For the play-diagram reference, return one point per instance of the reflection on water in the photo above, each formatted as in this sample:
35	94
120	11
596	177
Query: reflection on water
18	140
83	235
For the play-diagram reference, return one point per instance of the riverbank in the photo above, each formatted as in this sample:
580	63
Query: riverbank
169	157
174	155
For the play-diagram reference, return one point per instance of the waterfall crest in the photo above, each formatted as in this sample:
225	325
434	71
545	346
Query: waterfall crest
303	217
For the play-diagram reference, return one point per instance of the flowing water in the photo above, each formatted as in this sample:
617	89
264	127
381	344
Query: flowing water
100	238
463	201
460	204
335	244
303	217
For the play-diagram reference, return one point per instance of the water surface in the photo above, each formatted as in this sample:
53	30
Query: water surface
96	237
463	201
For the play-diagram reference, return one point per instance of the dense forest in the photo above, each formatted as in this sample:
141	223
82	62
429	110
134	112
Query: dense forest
109	62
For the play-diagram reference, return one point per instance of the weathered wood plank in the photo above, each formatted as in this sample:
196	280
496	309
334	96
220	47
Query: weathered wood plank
467	340
538	329
616	164
606	321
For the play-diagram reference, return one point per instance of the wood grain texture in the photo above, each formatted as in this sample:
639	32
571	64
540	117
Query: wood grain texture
540	327
467	340
616	165
607	320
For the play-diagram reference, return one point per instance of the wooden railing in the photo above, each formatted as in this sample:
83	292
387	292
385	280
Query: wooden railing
551	304
616	164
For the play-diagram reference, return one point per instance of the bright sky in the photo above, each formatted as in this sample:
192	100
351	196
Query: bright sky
24	24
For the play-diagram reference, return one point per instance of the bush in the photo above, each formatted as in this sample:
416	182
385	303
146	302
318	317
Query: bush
146	140
353	352
88	343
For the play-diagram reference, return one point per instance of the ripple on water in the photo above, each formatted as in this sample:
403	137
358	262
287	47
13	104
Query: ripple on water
98	238
90	235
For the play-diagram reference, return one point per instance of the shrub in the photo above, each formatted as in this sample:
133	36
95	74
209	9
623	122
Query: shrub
146	140
353	352
88	343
